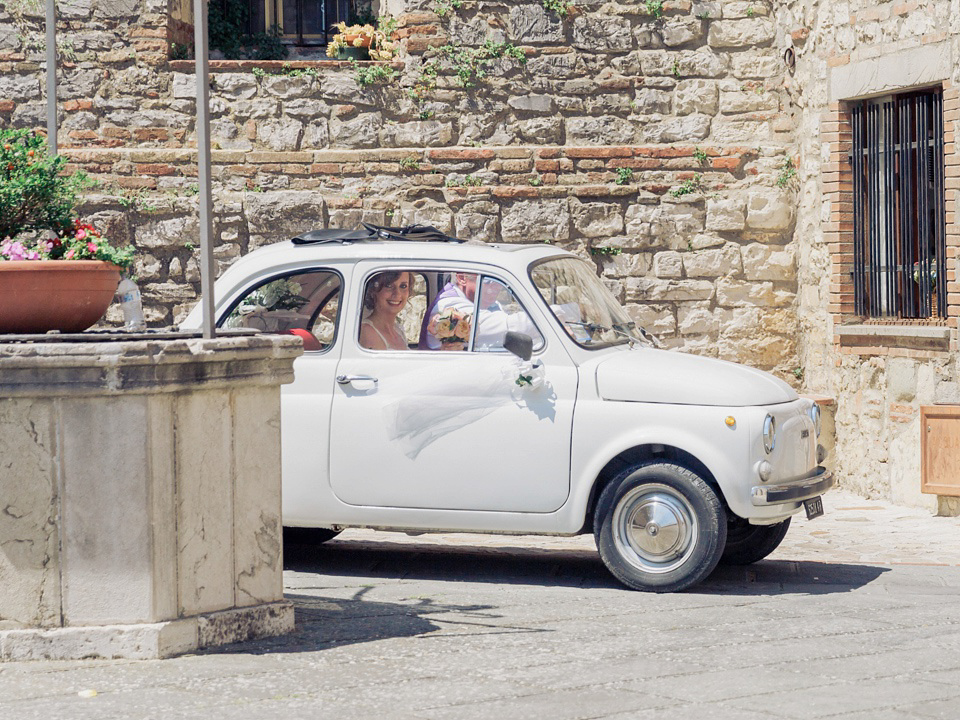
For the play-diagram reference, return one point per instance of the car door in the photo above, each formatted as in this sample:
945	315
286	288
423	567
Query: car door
304	302
450	430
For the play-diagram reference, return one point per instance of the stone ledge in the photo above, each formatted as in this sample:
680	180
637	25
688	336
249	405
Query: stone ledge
145	366
148	641
915	337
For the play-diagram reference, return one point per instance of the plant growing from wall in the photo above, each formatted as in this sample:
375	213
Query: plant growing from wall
373	75
700	156
472	64
654	8
689	186
605	251
624	176
787	173
560	7
410	163
444	7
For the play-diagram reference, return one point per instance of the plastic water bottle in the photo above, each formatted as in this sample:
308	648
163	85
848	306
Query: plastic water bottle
132	306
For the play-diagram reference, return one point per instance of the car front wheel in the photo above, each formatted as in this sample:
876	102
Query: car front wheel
748	543
660	527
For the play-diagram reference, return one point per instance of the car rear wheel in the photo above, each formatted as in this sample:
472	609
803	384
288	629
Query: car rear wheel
748	543
660	527
308	536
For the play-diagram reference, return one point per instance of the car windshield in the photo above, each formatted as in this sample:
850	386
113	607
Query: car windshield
582	304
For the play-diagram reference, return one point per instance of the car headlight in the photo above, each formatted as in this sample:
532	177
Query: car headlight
814	413
769	433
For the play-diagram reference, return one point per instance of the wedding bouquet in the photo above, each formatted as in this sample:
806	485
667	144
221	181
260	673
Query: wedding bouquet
450	327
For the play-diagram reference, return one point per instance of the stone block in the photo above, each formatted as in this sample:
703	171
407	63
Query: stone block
696	319
601	33
713	263
762	262
738	293
668	264
680	129
655	319
649	101
597	220
769	209
740	101
257	529
236	86
281	134
205	502
359	132
725	215
696	96
287	87
95	543
752	65
477	226
535	221
657	290
185	86
426	133
681	30
902	380
740	33
29	502
532	23
541	130
603	130
532	103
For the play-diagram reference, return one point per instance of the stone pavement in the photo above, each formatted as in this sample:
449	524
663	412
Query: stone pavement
855	616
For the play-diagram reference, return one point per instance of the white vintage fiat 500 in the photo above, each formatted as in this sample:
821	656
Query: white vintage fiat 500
459	386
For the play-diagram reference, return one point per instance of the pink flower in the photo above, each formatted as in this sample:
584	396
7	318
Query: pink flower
91	247
81	234
69	255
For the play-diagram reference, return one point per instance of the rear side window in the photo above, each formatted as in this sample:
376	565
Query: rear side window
302	303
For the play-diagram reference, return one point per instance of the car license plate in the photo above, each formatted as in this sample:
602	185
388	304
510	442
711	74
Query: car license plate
814	507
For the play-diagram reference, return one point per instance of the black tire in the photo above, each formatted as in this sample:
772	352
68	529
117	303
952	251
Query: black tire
748	543
659	527
308	536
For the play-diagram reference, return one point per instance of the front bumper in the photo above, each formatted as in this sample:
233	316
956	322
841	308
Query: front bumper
796	491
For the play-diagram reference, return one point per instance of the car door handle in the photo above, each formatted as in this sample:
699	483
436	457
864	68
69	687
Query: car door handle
347	379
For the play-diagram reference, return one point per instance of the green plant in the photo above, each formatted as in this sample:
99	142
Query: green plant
787	172
226	29
798	373
689	186
425	114
180	52
373	75
703	15
378	39
676	68
605	251
259	73
536	181
654	7
136	200
189	246
560	7
426	81
267	46
751	11
409	163
444	7
467	181
34	195
471	64
624	176
700	156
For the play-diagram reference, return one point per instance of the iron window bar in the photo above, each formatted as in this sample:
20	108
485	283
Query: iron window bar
899	207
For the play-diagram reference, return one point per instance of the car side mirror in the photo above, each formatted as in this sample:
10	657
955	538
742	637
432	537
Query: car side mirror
520	344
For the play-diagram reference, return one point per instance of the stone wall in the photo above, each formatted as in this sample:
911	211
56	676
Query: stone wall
845	50
658	138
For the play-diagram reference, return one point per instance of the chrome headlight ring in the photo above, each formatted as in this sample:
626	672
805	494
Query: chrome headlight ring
769	433
814	413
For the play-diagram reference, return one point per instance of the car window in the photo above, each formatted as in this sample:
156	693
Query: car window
304	303
457	298
392	310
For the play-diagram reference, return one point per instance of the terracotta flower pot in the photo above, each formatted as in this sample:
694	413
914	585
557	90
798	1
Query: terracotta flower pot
65	295
351	40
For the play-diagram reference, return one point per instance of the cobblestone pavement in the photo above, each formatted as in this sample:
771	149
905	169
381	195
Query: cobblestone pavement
855	616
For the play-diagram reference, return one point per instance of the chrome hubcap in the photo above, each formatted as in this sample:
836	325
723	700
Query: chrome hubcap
654	528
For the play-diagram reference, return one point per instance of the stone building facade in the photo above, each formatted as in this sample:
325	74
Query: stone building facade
693	151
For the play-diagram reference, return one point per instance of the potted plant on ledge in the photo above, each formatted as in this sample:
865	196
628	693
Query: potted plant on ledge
56	273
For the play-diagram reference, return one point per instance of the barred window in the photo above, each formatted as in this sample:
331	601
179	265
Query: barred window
303	22
899	251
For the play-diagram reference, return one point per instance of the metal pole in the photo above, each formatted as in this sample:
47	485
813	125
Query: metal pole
203	165
51	78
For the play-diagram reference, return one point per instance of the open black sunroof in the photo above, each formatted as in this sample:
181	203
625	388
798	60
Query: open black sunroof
367	232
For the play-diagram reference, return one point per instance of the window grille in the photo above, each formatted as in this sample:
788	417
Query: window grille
304	22
899	250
